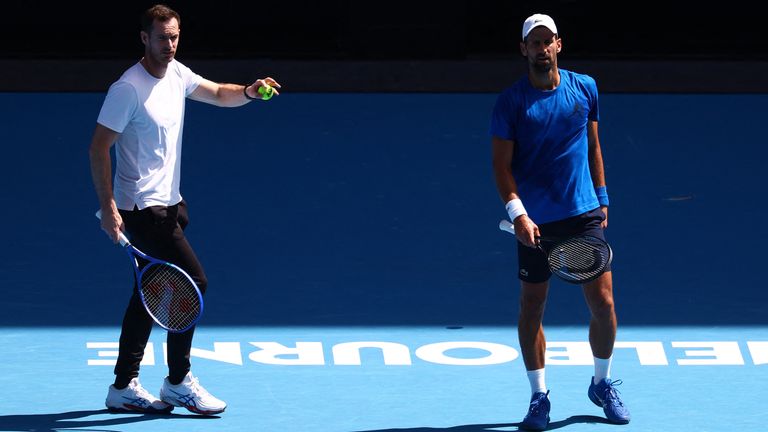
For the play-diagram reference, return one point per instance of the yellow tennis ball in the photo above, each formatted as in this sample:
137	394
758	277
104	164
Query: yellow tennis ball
266	91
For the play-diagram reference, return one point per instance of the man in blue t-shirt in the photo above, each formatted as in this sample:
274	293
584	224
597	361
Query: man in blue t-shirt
546	154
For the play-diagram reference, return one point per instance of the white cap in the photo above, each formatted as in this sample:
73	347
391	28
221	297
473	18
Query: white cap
537	20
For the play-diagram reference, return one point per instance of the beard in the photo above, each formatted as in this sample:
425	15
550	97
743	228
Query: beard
542	65
542	68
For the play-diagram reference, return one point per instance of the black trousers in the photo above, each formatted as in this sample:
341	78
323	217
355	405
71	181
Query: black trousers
157	231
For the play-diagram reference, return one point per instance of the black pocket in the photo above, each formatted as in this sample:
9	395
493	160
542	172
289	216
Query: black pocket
165	216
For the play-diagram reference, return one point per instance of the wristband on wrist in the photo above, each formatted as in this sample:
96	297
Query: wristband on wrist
515	209
245	93
602	196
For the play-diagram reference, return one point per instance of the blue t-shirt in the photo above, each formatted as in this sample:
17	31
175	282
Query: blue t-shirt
550	162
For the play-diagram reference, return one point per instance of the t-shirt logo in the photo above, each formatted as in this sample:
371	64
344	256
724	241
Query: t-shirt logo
578	110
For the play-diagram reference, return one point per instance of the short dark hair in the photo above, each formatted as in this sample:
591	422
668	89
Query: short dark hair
158	12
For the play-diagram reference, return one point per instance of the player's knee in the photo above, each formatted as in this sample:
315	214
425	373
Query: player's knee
532	306
602	308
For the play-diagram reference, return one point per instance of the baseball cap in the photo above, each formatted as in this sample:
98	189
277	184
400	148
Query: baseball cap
537	20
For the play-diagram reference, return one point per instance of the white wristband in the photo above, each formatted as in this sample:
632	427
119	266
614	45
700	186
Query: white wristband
515	208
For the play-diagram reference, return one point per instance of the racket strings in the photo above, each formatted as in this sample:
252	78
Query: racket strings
170	296
579	260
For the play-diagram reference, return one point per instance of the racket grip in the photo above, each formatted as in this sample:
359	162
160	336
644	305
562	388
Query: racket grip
123	239
507	226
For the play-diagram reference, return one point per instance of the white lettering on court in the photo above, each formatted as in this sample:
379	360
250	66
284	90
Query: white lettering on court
460	353
568	353
227	352
103	345
496	353
148	360
759	352
648	353
305	354
348	353
719	353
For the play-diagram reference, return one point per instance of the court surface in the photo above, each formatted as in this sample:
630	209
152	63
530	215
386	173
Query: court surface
358	281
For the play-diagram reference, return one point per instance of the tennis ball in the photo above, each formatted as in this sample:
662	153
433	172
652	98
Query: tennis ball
266	91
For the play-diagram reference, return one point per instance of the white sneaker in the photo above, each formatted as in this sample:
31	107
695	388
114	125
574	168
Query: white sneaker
135	398
192	396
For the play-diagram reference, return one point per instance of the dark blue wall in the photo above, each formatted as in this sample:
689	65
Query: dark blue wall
392	29
365	209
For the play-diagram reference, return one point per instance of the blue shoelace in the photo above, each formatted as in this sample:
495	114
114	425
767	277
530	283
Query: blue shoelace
612	394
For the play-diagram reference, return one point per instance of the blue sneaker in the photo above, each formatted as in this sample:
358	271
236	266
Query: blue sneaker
605	395
537	418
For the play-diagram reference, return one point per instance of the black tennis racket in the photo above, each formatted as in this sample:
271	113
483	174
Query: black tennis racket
168	293
576	259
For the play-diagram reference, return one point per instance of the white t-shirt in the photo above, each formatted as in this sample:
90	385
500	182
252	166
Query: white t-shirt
149	115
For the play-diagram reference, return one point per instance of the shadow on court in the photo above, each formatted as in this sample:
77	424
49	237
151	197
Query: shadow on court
76	420
582	419
462	428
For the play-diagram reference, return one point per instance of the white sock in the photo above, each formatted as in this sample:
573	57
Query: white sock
602	369
536	378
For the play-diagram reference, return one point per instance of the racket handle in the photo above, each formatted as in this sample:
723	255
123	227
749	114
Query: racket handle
507	226
123	239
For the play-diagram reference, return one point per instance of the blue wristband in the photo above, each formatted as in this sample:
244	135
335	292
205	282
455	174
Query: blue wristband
602	196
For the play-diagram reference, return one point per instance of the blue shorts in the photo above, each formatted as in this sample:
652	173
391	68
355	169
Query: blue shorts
532	262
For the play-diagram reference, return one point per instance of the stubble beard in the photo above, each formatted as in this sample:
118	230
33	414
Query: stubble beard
542	68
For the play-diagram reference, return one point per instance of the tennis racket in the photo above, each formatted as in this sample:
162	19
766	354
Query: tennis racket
577	259
167	292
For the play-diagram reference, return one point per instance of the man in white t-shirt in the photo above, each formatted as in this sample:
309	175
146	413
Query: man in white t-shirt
143	116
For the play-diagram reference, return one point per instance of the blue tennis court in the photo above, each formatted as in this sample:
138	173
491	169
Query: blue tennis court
357	278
